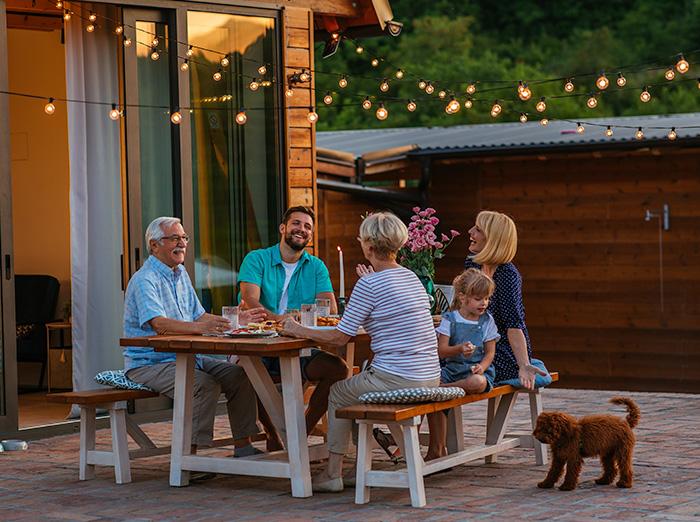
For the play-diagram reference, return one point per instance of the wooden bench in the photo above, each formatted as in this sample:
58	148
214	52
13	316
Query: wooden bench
404	420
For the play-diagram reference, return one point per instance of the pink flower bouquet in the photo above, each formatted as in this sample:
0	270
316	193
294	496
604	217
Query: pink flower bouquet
424	246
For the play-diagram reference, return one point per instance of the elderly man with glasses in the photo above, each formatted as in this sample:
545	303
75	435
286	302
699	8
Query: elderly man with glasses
160	299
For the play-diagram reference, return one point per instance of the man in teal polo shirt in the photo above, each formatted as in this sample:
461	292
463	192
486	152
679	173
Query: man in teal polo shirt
283	277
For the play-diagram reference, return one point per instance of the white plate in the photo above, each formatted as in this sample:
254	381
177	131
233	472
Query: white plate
322	327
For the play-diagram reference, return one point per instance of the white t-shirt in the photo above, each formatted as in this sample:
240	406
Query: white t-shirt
288	271
394	309
490	328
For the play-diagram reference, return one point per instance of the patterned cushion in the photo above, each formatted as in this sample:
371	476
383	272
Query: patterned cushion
411	395
118	379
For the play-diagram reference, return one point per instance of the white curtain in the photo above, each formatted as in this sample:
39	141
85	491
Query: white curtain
95	199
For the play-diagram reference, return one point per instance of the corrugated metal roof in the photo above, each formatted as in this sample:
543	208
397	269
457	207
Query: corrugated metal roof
510	136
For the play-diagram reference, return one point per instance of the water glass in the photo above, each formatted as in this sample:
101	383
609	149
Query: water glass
308	315
323	307
294	314
231	313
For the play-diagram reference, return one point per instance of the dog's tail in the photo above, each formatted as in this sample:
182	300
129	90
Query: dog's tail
632	409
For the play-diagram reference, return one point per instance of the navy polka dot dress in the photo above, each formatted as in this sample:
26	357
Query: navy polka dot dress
507	309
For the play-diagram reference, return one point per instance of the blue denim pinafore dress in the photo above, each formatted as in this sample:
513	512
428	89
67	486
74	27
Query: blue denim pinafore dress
459	366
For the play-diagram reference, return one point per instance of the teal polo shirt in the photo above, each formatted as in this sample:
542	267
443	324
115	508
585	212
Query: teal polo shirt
264	268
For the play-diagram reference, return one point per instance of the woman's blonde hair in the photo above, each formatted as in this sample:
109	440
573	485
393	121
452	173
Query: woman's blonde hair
501	238
385	232
471	283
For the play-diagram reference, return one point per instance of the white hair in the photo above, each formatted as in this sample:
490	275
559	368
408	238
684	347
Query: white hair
156	229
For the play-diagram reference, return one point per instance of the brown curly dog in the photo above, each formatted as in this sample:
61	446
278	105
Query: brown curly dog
572	440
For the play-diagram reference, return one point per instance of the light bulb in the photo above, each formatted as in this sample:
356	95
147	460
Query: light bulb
328	99
225	61
453	106
682	65
155	55
384	86
411	106
544	122
375	62
289	92
59	4
639	134
670	74
382	113
262	70
359	49
592	102
569	86
621	80
343	82
90	28
602	82
523	117
67	14
442	94
241	117
399	74
645	96
92	17
496	109
580	128
524	92
127	41
429	88
471	88
217	76
312	116
304	76
609	131
189	52
541	105
366	103
50	108
672	134
176	118
184	65
422	84
468	103
254	85
119	29
155	42
115	113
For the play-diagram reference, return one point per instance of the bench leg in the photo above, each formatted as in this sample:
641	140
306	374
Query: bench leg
136	433
87	441
455	430
414	461
541	456
120	445
499	422
364	461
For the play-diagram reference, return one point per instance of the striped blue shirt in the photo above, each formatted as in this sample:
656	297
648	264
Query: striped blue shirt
394	309
156	290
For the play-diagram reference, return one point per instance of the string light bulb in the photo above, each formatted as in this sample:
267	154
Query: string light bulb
59	4
225	61
496	109
92	17
382	113
154	54
375	62
453	106
189	52
289	92
343	82
682	65
241	116
176	117
185	65
312	116
90	28
411	106
399	74
621	80
262	70
524	92
359	49
471	88
384	86
67	14
569	85
422	84
670	74
468	103
119	29
254	85
544	122
672	134
646	95
304	76
115	113
50	108
580	129
328	98
541	105
155	42
429	88
602	82
609	131
639	134
523	117
217	76
592	102
366	103
127	41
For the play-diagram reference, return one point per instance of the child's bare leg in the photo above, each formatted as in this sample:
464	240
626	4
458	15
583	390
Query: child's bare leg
437	447
472	384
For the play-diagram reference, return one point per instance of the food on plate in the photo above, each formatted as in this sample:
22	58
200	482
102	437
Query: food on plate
265	326
327	321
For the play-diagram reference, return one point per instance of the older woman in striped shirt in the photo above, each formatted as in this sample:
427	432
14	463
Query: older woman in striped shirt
392	306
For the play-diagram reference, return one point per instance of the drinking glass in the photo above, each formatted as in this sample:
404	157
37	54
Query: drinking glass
294	314
323	307
231	313
308	315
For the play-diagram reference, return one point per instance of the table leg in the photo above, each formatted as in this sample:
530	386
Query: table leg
182	418
350	357
265	388
297	444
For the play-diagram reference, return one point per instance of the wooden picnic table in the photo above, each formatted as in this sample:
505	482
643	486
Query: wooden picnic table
286	410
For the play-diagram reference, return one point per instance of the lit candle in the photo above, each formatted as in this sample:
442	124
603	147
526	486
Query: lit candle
342	274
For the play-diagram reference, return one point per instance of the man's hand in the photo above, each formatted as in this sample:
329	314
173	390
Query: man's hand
254	315
290	327
363	270
468	349
213	324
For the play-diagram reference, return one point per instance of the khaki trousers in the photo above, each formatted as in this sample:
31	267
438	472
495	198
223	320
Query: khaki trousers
214	378
346	393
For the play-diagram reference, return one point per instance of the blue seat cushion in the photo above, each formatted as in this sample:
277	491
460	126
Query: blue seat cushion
118	379
411	395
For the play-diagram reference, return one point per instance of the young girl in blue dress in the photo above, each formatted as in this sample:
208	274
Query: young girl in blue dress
467	339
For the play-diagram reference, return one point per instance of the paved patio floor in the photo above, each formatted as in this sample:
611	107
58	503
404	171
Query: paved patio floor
42	484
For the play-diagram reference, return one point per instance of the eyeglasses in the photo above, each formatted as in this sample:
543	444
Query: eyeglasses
176	239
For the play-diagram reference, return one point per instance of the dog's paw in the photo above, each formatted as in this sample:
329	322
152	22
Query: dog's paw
603	481
545	485
567	487
621	484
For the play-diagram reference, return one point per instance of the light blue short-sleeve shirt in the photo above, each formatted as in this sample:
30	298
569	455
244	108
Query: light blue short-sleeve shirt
264	269
156	290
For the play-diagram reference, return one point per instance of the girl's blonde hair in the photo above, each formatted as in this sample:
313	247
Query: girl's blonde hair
471	283
385	232
501	238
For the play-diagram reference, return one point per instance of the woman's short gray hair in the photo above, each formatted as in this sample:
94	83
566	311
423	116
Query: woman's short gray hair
156	229
385	232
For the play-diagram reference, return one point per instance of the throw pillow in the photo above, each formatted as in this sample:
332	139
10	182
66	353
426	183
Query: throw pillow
411	395
118	379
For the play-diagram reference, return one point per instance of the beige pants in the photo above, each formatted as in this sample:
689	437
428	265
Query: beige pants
346	393
214	378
